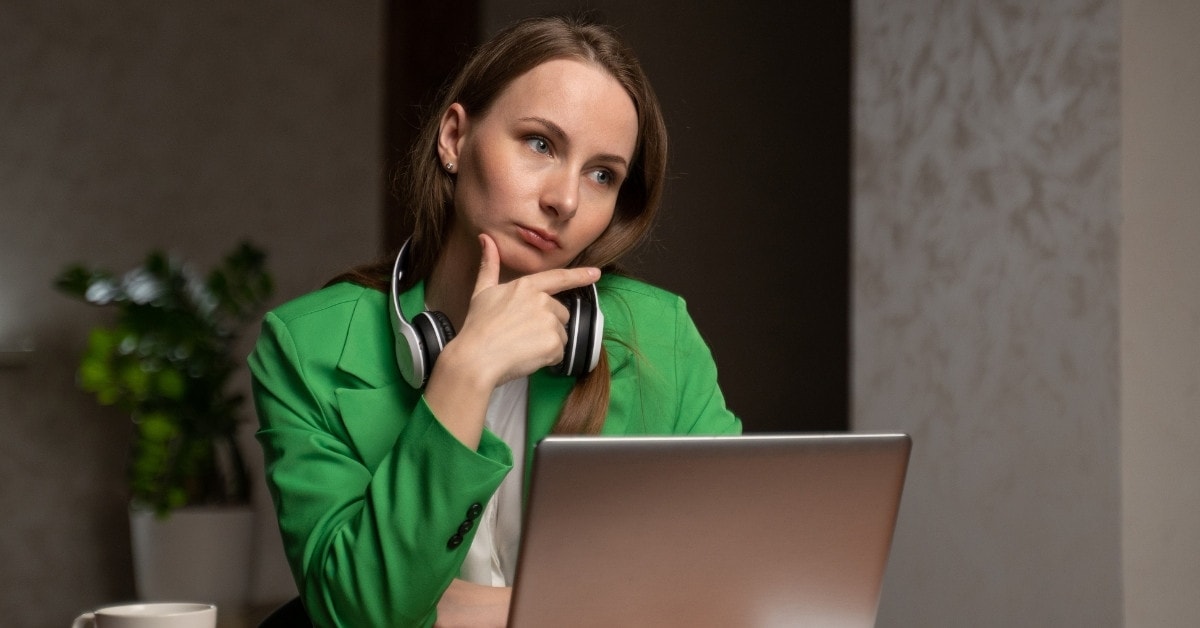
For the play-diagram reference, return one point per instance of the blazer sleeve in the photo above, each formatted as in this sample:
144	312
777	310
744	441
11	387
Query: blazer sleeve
664	377
702	409
369	544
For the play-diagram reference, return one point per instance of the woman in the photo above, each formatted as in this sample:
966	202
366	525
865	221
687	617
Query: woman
400	502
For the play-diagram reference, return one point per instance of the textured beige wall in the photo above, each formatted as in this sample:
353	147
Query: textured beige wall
1160	311
985	312
176	124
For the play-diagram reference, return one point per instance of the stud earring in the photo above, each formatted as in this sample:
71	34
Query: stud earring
449	166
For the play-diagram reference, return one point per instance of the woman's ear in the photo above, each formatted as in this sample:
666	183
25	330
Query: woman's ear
451	134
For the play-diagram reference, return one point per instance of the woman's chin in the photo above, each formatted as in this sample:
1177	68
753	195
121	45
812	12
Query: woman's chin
526	262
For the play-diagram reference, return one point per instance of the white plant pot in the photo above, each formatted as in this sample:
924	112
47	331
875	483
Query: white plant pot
195	554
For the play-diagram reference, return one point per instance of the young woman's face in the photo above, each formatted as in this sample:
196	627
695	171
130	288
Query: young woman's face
540	171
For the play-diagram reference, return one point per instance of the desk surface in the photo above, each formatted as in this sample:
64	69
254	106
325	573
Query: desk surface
245	617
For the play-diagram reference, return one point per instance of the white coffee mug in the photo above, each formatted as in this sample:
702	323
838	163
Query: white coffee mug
150	615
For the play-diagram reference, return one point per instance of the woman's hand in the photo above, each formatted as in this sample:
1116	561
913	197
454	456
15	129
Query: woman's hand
469	605
511	330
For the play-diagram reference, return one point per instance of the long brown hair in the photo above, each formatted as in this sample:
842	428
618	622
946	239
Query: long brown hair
428	190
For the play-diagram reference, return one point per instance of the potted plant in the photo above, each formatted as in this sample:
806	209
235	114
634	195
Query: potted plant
167	359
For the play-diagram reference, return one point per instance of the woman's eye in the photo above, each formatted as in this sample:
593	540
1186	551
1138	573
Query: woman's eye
539	145
603	177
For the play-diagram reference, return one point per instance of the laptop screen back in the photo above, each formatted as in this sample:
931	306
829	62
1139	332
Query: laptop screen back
754	530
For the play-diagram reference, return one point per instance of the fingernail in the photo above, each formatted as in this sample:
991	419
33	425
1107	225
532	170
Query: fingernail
594	273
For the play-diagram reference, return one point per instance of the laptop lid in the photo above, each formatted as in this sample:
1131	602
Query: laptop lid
752	530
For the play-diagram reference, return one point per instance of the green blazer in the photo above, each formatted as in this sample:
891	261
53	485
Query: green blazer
367	484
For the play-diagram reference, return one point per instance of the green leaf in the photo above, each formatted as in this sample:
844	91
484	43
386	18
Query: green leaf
170	383
102	341
135	379
94	375
157	427
177	497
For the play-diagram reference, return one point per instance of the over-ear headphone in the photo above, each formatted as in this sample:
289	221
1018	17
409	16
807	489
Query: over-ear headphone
419	343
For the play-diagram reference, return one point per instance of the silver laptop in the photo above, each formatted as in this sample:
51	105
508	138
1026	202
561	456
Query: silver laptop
732	531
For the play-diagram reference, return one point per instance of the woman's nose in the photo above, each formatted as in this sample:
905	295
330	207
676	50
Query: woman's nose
560	194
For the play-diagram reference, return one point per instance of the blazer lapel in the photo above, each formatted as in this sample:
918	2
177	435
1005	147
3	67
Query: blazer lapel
369	351
373	412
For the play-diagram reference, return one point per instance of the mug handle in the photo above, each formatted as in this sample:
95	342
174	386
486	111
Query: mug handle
86	620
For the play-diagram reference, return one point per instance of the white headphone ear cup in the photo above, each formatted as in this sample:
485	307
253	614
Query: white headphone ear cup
596	336
410	356
418	344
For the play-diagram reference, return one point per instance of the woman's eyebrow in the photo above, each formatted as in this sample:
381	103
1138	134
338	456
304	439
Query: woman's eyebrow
561	136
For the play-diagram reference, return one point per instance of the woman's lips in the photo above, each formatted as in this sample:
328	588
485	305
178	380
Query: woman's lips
538	239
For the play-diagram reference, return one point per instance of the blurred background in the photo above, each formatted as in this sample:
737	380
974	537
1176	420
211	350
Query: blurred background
973	222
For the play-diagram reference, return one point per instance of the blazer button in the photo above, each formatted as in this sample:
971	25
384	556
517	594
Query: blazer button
474	511
454	541
465	527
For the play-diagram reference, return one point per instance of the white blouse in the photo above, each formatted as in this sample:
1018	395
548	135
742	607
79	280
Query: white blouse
492	558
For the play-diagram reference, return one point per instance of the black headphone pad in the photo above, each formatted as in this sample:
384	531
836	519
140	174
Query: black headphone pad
435	330
575	361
